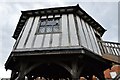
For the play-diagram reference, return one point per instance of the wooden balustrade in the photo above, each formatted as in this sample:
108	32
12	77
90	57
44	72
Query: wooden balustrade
111	48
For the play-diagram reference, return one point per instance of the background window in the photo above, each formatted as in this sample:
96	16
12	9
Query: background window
49	25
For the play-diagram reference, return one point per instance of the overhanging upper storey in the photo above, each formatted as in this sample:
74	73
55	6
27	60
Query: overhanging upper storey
54	11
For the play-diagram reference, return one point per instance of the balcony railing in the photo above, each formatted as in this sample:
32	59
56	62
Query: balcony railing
111	48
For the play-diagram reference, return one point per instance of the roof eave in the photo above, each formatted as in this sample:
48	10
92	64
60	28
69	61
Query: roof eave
59	10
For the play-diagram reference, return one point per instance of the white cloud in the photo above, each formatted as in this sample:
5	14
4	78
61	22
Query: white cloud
4	73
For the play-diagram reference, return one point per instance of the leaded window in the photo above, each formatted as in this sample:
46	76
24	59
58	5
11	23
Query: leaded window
49	25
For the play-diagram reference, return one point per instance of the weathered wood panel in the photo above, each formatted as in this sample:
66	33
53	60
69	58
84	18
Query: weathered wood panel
89	37
55	42
64	41
19	37
95	40
47	40
38	41
81	33
32	33
86	35
25	33
73	34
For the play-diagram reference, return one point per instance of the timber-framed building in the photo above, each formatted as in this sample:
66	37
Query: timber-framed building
60	43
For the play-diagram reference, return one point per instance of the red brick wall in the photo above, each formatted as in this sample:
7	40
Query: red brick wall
115	68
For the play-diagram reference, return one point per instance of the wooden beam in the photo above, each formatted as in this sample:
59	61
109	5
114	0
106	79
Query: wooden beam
112	58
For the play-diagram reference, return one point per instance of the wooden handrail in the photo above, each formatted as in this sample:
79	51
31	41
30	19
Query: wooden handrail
109	42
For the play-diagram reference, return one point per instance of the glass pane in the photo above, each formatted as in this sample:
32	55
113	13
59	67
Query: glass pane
43	22
49	29
42	29
56	29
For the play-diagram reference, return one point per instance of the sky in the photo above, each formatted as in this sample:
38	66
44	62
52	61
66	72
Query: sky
104	12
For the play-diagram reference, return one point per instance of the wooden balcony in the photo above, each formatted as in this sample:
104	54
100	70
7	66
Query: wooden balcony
110	50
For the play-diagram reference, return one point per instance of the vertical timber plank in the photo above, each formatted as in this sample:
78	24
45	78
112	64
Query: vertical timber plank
73	34
25	33
64	41
32	34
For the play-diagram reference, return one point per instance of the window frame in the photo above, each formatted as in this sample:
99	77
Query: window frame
52	32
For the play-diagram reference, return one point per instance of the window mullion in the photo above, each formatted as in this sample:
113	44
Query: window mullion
46	25
53	27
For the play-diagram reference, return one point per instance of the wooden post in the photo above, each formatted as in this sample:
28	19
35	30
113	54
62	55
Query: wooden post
21	75
76	71
13	75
